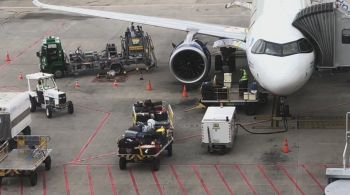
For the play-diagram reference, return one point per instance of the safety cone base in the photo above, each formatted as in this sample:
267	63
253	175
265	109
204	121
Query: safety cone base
184	92
149	86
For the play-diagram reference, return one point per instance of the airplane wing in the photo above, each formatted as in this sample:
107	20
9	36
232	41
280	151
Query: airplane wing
230	32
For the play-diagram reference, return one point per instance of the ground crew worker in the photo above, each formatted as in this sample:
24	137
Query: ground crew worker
243	82
40	86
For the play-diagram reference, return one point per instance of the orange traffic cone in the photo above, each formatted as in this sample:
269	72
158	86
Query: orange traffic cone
8	59
77	84
184	92
20	76
115	84
149	86
285	147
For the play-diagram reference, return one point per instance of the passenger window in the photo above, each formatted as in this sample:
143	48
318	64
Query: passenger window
305	46
290	49
259	47
273	49
346	36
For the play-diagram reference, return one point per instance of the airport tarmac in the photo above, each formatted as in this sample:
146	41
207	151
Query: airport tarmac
84	144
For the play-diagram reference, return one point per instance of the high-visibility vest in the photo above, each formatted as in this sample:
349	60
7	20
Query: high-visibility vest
244	76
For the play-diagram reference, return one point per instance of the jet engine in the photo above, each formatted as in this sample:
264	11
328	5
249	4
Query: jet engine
190	62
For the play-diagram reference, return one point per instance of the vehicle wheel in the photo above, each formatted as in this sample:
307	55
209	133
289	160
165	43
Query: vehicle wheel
170	150
117	68
250	109
33	104
58	74
27	131
122	163
218	63
48	111
47	162
1	180
155	164
70	107
33	178
12	144
263	98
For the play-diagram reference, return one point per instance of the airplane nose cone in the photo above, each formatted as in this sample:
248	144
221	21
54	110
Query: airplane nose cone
284	78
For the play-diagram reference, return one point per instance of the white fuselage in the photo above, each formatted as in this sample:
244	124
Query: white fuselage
271	22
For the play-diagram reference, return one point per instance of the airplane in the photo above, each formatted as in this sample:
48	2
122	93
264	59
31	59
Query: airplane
280	57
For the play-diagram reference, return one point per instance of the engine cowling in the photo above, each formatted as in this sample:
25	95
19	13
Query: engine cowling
190	62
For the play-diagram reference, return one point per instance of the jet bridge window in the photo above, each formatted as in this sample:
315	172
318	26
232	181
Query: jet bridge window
346	36
287	49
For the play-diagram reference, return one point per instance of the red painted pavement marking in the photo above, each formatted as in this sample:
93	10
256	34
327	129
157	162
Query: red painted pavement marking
199	177
101	156
21	189
184	190
134	182
246	180
262	170
91	181
111	179
157	182
221	175
92	137
48	32
313	178
66	179
44	183
291	179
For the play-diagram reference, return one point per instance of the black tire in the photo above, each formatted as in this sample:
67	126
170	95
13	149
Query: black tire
47	162
118	68
122	163
33	178
70	107
156	164
170	150
12	144
58	74
49	111
250	109
27	131
33	104
263	98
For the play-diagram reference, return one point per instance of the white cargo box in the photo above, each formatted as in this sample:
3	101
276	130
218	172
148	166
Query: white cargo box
218	127
14	114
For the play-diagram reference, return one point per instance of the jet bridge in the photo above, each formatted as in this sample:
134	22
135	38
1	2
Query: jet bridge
327	26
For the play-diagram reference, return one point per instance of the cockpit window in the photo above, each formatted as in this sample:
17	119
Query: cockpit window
304	46
259	47
287	49
273	49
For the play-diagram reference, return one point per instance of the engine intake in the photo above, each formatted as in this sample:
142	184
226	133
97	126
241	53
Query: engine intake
190	62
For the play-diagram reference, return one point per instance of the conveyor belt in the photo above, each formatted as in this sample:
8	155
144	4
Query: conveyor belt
317	23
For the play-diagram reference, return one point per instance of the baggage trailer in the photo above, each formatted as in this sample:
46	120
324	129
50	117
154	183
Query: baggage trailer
219	128
222	91
24	161
150	136
14	116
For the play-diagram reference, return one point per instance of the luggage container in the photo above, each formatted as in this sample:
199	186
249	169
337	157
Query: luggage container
14	115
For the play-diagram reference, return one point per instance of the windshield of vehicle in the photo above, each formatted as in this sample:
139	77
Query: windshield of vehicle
287	49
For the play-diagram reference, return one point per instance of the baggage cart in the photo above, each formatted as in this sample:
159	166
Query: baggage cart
24	161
